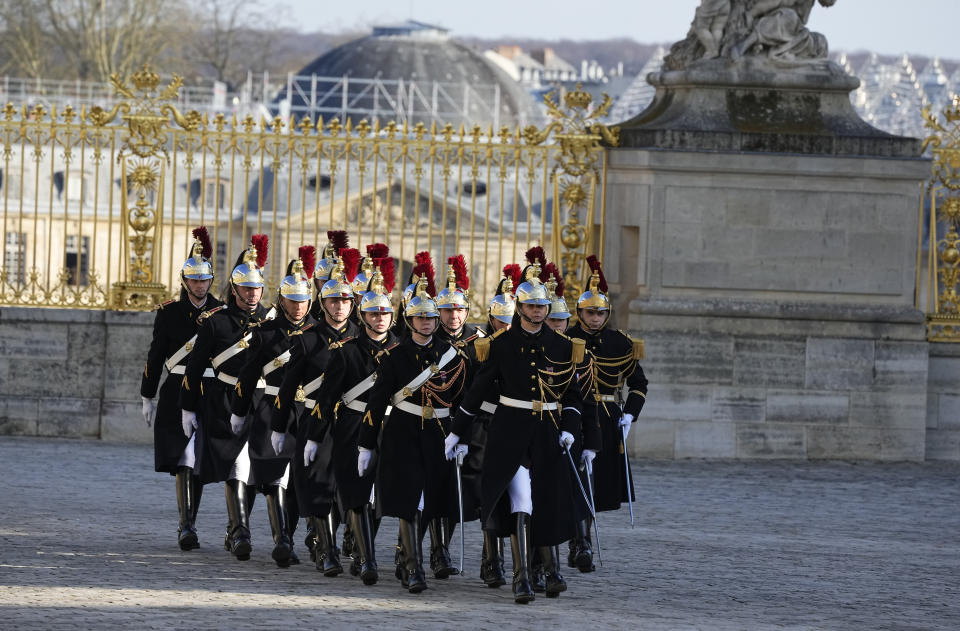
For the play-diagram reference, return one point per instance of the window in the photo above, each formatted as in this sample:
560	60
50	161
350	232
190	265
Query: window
77	260
14	257
215	194
220	262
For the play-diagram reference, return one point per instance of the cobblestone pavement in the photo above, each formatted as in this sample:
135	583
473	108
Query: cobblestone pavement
88	541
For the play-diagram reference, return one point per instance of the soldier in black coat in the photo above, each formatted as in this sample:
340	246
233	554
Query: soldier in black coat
205	401
526	481
313	473
422	378
615	367
453	307
341	401
174	335
253	404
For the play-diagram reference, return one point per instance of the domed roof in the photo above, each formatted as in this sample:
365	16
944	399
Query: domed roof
412	72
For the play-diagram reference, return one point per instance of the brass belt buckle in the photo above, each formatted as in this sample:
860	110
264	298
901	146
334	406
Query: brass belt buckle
537	406
188	347
428	411
277	362
434	369
406	392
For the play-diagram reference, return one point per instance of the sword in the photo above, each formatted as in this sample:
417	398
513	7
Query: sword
589	502
588	470
460	503
626	463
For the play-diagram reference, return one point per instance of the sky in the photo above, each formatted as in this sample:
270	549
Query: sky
890	27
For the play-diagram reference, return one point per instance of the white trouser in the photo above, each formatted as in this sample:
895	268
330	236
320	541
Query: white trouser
521	495
189	456
241	466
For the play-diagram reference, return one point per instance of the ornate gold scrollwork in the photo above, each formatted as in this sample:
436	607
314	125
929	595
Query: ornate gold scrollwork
576	174
143	158
943	256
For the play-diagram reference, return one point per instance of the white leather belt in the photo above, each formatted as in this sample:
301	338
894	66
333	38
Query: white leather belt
422	411
606	398
536	406
179	369
488	407
309	403
227	379
356	405
271	390
182	352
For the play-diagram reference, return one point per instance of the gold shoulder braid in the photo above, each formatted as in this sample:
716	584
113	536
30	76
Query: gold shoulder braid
335	345
638	349
579	350
387	350
206	314
482	348
162	305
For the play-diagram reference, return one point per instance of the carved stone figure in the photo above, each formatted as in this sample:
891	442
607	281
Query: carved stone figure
709	22
779	28
731	29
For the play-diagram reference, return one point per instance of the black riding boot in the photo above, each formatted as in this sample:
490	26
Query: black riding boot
412	555
277	512
520	544
361	523
491	567
328	556
537	579
440	562
186	505
293	519
311	538
584	557
238	536
550	559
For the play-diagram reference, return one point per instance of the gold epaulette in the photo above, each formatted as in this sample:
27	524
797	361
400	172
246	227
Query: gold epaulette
482	348
638	350
162	305
387	350
338	344
206	314
579	350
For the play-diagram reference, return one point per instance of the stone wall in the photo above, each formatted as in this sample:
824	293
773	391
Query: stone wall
775	293
943	403
73	373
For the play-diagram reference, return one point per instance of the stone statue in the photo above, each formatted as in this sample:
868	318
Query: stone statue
709	22
732	29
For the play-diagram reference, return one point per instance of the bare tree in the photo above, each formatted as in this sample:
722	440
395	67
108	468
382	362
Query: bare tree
86	39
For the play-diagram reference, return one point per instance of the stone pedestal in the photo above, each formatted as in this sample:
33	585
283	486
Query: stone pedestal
775	293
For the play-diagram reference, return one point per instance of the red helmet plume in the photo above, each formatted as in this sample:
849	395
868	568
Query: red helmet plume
203	237
350	257
308	256
551	270
514	273
423	258
388	271
460	270
339	239
260	242
536	255
377	250
594	264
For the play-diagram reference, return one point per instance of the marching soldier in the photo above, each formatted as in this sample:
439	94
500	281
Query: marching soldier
615	367
422	377
526	481
222	342
314	479
500	313
257	386
349	377
453	307
421	261
174	335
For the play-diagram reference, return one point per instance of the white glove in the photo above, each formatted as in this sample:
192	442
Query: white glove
460	453
363	460
236	423
276	440
149	410
625	421
189	422
309	451
449	444
587	459
566	439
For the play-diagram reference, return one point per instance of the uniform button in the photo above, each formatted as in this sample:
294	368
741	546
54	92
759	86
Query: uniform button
533	376
533	363
533	389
